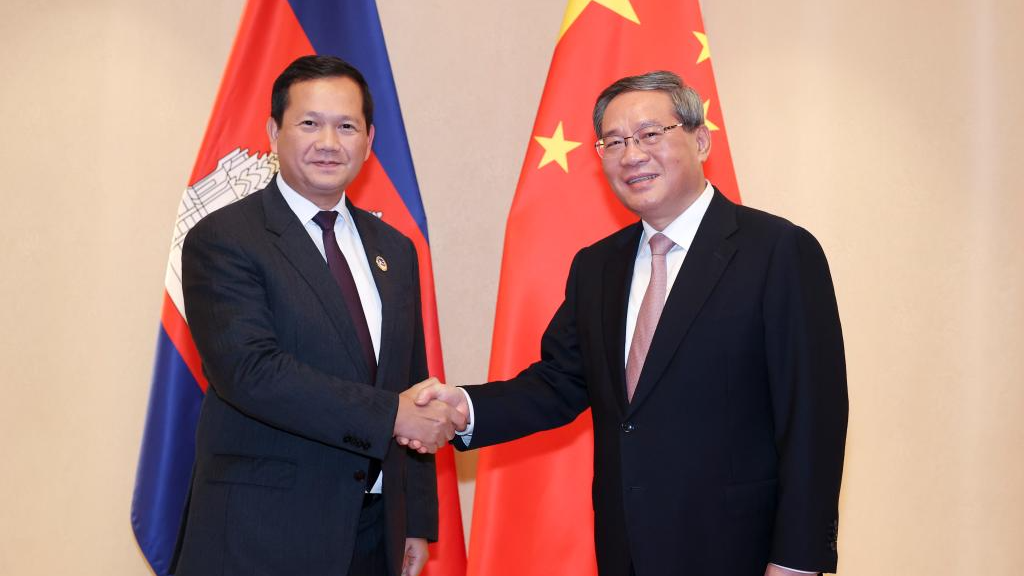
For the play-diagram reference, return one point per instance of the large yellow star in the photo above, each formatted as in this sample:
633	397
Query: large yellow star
705	52
556	149
711	126
572	12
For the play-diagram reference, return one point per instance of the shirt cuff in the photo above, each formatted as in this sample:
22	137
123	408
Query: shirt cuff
793	570
467	435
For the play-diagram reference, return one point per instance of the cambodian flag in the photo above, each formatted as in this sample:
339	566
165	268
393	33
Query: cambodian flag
234	160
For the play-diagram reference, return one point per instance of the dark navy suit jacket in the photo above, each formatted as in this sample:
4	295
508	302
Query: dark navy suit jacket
730	455
290	420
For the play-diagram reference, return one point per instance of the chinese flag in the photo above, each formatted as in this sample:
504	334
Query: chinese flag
533	514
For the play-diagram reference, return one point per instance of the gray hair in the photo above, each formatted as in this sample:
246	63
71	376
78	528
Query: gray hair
688	106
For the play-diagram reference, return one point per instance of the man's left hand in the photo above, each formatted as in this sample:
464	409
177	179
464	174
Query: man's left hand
416	555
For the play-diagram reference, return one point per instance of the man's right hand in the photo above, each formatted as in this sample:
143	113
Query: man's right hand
428	425
451	395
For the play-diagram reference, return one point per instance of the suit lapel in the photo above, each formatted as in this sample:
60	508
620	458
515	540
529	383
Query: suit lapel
618	273
707	259
293	241
376	247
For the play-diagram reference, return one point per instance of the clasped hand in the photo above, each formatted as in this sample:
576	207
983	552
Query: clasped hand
429	413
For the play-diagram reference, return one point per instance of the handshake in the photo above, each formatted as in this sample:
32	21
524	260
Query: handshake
429	414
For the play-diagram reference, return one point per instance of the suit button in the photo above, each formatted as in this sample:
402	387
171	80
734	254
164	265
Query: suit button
359	476
628	427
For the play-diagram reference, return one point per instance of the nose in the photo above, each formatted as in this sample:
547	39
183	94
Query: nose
634	153
327	140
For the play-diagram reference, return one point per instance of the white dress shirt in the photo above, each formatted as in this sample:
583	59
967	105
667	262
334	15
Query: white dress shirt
352	248
681	231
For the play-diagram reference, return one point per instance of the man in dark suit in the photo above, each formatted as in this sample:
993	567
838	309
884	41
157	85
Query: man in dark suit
706	341
306	313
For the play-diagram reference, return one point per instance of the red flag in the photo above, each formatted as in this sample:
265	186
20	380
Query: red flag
533	513
234	161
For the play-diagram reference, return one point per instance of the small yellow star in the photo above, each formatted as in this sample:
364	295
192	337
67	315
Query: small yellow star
575	8
711	126
556	149
705	52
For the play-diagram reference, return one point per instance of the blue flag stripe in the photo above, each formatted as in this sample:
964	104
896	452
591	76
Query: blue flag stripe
351	30
168	450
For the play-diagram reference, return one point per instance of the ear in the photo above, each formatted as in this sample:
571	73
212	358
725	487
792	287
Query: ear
272	131
369	143
703	142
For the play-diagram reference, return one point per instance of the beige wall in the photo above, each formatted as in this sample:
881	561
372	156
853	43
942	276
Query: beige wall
887	128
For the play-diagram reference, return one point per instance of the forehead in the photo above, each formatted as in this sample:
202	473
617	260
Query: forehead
334	95
633	109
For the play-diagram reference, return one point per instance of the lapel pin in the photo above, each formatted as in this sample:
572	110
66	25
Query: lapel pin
382	264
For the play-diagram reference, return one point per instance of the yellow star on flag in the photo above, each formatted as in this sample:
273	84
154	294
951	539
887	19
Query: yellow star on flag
705	52
556	149
711	126
575	8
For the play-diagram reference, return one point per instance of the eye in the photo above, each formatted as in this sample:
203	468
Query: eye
613	143
348	128
650	135
307	124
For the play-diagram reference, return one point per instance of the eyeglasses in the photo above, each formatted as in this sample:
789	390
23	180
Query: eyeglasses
615	146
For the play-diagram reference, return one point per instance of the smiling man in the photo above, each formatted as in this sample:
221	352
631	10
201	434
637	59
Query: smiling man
308	348
706	340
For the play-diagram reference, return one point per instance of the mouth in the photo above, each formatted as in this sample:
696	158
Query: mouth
325	163
640	178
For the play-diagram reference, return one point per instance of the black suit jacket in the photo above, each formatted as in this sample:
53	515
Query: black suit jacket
290	421
730	454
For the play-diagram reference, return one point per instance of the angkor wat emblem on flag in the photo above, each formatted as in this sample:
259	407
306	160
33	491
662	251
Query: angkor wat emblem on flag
237	175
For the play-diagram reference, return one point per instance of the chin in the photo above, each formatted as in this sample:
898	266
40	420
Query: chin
329	186
646	206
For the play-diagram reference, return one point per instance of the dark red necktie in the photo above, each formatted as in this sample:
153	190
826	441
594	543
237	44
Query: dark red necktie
343	276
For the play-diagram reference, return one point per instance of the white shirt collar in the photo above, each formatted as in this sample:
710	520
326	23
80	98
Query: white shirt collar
684	227
303	208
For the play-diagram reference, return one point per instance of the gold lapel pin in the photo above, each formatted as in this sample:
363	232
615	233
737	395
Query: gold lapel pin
382	264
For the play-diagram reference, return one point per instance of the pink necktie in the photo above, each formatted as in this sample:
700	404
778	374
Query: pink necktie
650	311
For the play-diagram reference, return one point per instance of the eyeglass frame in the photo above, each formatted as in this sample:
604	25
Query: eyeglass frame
599	146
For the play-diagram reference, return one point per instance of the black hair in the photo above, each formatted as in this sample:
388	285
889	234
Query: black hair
313	68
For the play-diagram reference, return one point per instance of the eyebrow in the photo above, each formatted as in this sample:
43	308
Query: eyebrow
649	123
343	118
646	123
